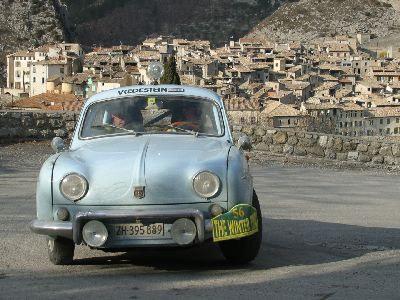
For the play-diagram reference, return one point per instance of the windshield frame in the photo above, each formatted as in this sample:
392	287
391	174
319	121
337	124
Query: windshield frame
194	98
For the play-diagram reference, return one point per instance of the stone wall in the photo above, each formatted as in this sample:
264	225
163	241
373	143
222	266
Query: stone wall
35	125
39	125
367	150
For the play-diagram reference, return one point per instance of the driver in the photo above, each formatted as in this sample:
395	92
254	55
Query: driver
129	118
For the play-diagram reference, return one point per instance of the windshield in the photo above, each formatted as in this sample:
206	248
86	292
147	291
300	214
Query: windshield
151	114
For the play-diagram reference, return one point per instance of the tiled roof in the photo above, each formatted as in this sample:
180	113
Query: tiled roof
371	83
320	106
23	53
49	101
337	47
380	112
347	106
277	109
326	86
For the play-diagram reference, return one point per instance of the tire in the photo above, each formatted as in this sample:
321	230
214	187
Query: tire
60	250
244	250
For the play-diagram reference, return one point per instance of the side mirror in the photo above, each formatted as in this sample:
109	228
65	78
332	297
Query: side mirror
57	144
244	143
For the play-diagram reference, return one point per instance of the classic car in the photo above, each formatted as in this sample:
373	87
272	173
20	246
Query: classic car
149	166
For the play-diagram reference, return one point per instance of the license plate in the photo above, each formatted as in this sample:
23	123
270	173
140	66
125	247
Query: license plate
139	230
239	222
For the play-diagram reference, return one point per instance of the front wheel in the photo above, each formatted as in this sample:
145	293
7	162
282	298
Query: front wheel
244	250
60	250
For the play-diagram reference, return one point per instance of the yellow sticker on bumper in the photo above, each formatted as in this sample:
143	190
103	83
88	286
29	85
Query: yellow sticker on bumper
239	222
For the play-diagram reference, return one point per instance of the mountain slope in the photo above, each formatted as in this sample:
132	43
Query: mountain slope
113	21
306	19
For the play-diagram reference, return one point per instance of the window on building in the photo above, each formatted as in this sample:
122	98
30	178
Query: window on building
288	121
380	131
396	130
34	79
387	121
61	70
387	130
17	64
371	122
43	80
397	120
18	74
381	121
242	120
253	120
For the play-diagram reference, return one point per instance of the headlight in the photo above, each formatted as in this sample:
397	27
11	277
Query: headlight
73	187
206	184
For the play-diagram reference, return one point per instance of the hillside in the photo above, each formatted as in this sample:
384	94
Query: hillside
113	21
306	19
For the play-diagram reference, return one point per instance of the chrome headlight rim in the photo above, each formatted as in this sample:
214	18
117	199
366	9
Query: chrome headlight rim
84	192
209	195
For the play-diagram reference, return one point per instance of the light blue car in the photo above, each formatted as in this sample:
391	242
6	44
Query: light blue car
149	166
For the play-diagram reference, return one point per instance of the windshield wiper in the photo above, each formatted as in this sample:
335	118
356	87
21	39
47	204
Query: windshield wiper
115	127
195	133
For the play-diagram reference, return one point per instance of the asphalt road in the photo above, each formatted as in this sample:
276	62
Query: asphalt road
327	234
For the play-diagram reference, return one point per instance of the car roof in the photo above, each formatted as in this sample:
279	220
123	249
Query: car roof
163	89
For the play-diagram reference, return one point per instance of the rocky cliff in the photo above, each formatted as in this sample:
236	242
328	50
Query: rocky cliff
306	19
26	23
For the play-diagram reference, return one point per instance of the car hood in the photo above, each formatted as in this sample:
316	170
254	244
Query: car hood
163	164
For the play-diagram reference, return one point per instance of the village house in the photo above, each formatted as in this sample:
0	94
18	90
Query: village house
385	75
278	115
27	71
383	121
338	50
18	72
242	111
368	87
326	89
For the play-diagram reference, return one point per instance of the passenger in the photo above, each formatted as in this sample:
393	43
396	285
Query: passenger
187	117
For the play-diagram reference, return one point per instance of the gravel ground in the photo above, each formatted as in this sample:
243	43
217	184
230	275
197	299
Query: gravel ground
328	233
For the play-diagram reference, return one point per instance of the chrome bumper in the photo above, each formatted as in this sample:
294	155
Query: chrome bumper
52	228
73	230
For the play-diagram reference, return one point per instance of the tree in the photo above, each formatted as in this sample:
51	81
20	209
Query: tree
170	74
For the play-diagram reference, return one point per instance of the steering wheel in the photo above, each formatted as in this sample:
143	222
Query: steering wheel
186	125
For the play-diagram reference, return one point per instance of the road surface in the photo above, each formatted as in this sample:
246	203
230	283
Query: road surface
327	234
